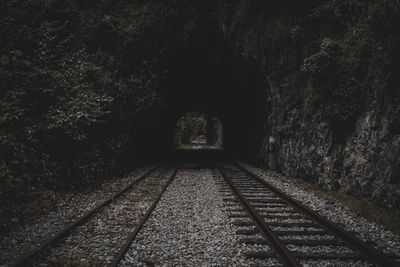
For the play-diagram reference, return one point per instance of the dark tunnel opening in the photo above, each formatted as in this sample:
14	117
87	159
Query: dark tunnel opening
209	75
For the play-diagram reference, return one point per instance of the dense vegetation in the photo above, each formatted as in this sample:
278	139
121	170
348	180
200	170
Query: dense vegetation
338	44
329	57
76	79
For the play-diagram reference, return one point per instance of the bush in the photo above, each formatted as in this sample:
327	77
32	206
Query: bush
75	116
75	77
336	91
326	62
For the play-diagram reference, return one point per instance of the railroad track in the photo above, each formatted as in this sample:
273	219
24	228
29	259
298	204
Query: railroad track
274	220
39	254
285	224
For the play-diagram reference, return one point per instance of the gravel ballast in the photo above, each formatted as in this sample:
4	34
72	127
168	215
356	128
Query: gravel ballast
191	226
373	233
98	240
25	237
188	226
197	222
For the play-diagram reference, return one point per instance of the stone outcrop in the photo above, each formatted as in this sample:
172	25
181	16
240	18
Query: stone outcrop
331	116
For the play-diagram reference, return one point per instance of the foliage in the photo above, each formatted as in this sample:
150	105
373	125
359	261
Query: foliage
334	91
327	61
75	77
330	58
71	117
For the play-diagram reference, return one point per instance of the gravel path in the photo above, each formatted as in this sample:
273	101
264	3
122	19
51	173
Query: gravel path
191	226
188	227
384	240
26	237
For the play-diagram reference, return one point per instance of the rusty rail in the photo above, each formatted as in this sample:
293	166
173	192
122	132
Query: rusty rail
26	258
265	230
135	231
351	240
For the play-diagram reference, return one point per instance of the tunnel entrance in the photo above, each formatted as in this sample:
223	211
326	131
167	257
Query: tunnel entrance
206	73
198	130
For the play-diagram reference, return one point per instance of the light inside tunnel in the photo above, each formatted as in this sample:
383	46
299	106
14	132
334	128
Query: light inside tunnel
198	130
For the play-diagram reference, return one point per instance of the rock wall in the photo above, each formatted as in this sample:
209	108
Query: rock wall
331	80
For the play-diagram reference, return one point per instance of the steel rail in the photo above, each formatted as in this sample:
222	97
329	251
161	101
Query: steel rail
138	227
30	255
265	230
351	240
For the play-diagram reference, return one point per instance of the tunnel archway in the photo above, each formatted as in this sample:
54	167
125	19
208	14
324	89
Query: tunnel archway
208	73
198	130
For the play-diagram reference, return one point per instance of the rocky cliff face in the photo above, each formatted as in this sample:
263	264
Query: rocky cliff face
331	77
366	164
